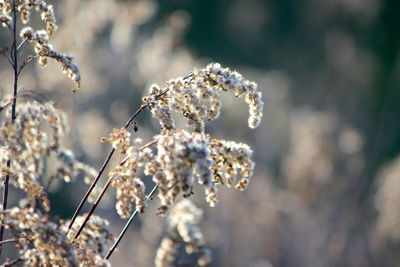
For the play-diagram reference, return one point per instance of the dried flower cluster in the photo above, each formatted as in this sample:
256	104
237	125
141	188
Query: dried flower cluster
196	97
29	142
183	227
40	38
44	50
94	236
176	158
41	242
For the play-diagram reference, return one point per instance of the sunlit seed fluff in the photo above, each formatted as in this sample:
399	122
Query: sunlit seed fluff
5	20
124	177
118	138
42	242
167	252
95	235
196	96
183	159
229	157
44	49
160	108
184	220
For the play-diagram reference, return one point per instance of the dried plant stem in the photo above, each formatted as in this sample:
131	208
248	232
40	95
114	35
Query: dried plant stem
14	58
27	62
8	241
118	239
11	263
105	187
107	160
109	156
94	206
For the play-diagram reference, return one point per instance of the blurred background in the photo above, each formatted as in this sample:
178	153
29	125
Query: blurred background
326	189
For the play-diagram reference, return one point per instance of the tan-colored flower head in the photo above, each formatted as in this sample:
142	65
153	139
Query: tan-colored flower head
41	242
183	227
40	38
196	96
30	142
95	235
178	159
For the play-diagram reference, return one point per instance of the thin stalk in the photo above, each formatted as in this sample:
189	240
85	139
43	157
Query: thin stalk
110	154
27	62
107	160
105	187
118	239
95	204
12	240
14	57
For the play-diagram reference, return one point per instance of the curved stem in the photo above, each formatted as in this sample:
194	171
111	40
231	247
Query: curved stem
110	154
105	187
95	204
27	62
118	239
14	57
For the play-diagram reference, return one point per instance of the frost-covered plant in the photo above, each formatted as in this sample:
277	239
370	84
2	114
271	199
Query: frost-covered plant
175	159
183	227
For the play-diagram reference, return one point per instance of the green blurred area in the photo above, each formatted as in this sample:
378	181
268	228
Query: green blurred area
296	37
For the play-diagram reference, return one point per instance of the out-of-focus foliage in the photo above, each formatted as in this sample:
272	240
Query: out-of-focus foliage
325	191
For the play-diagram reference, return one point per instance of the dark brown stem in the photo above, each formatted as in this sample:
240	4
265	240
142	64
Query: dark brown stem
27	62
118	239
8	241
14	59
9	60
11	263
95	204
110	154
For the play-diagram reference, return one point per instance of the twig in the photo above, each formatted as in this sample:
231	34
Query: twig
95	204
13	108
110	154
11	263
142	107
21	44
142	147
8	241
27	62
8	59
105	187
118	239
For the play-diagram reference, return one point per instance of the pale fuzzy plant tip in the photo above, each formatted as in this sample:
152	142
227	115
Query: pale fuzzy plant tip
5	20
183	228
196	97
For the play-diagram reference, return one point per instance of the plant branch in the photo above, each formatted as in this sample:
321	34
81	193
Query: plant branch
8	59
14	57
11	263
95	204
21	44
105	187
11	240
109	156
118	239
30	58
